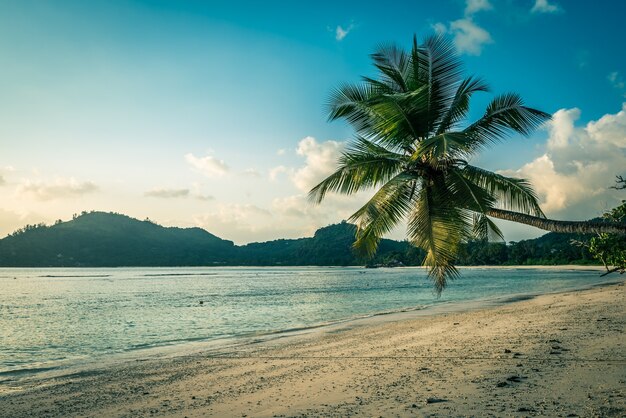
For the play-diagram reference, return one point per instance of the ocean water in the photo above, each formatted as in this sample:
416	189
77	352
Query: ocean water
55	317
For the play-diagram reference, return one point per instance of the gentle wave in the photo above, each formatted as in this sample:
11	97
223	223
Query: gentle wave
178	274
74	275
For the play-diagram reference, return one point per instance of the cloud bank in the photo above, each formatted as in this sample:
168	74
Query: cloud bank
579	165
468	37
61	188
167	193
543	6
208	165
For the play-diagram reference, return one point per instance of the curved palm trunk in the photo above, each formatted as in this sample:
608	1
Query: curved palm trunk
583	227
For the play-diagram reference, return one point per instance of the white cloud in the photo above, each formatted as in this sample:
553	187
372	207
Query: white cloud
167	193
543	6
208	165
59	189
610	129
474	6
561	128
573	176
281	151
341	33
320	161
469	38
277	171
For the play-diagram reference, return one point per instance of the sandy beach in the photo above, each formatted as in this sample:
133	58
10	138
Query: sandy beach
553	355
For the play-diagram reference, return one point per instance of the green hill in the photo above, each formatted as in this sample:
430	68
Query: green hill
99	239
330	246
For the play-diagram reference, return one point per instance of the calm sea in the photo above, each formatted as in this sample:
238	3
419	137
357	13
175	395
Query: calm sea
55	317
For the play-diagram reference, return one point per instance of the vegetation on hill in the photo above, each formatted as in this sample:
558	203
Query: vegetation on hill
331	245
99	239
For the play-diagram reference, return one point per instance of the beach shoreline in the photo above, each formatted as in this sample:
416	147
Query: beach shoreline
553	354
15	380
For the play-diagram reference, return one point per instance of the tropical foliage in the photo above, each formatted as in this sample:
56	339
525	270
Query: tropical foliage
414	145
610	249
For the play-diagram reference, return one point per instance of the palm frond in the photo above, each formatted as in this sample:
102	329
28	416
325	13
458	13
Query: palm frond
510	193
505	114
468	194
439	61
379	85
372	108
440	272
459	106
448	145
440	68
400	123
486	229
353	103
383	212
437	224
362	165
392	62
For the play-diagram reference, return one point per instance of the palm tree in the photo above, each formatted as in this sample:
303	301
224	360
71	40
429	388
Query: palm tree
412	145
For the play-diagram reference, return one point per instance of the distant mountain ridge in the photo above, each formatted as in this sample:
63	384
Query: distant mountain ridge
99	239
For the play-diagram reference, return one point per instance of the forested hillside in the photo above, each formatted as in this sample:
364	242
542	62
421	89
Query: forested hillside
99	239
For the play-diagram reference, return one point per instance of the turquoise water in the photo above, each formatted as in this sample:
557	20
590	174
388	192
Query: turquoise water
52	317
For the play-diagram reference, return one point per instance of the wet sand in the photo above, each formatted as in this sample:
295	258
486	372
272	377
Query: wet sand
553	355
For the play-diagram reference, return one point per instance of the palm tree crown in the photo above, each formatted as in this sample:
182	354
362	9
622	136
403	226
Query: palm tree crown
413	145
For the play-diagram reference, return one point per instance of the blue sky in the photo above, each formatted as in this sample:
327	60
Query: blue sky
212	113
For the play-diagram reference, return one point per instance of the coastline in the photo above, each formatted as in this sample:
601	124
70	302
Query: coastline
16	379
285	266
447	363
